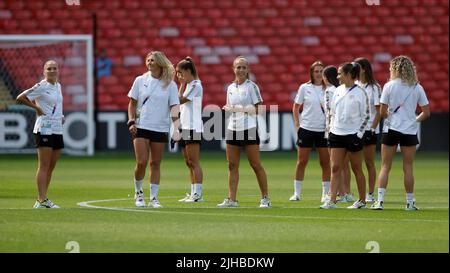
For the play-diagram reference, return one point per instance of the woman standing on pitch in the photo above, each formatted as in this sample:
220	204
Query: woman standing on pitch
153	101
399	101
243	98
190	95
350	116
373	90
46	98
310	128
331	82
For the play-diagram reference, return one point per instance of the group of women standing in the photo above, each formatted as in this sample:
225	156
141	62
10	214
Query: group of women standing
341	112
154	98
341	109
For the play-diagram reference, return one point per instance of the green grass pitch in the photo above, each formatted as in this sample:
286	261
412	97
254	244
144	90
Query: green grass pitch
105	182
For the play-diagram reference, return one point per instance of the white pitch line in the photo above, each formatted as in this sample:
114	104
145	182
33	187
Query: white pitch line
87	204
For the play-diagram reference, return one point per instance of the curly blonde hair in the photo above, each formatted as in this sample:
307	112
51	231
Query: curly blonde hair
403	67
167	69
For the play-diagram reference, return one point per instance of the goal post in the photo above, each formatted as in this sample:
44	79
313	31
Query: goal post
21	66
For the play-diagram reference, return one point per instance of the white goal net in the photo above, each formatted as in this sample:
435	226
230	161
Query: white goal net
21	66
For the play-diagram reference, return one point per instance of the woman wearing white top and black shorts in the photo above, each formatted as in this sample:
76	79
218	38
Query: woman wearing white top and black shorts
373	90
153	101
350	111
243	98
311	129
48	130
399	101
329	75
190	95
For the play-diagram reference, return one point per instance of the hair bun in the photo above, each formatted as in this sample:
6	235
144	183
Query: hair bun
188	58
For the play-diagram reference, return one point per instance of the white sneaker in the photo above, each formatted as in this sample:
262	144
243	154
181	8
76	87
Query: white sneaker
265	202
228	203
46	204
294	197
185	198
39	205
411	206
358	205
370	198
194	198
347	198
328	205
139	199
50	204
325	198
154	203
378	205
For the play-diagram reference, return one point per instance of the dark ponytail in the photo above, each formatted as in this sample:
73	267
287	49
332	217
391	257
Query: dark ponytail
368	72
353	68
188	64
330	72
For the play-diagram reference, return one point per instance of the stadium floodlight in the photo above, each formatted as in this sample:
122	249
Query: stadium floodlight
21	66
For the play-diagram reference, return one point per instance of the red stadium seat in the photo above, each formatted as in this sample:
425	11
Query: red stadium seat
444	105
35	5
23	14
16	5
111	80
382	11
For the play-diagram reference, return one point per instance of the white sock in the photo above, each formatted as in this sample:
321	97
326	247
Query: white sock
409	197
192	189
297	187
138	185
325	187
381	194
198	189
153	190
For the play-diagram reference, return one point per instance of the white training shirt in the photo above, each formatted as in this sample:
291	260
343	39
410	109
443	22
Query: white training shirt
350	111
328	97
49	98
242	95
373	93
398	94
191	111
153	102
313	115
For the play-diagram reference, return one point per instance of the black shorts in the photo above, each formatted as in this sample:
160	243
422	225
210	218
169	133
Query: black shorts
351	143
189	137
55	142
307	139
393	138
369	138
242	138
153	136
